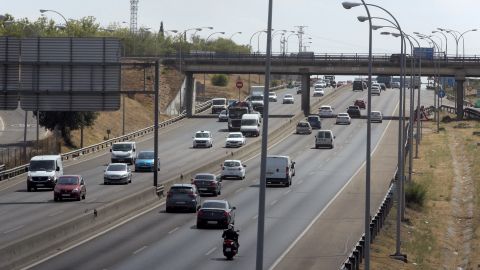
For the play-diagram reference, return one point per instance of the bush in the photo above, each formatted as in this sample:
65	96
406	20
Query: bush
219	80
415	194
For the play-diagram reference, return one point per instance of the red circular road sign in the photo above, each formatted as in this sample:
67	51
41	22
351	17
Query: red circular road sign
239	84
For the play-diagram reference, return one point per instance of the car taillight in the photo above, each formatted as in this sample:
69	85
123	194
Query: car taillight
191	195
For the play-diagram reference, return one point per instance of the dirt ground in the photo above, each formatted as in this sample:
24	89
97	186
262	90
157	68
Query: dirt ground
445	232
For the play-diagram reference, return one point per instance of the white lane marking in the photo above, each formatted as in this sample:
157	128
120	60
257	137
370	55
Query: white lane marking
174	230
273	203
286	192
2	124
139	250
239	190
255	217
211	251
279	259
55	213
14	229
92	237
299	182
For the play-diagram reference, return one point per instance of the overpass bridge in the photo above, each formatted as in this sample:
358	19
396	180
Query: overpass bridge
321	64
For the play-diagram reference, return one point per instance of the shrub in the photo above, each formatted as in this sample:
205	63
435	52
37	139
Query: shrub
219	80
415	194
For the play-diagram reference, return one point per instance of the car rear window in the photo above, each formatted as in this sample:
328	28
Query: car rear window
204	177
325	135
181	189
302	124
221	205
231	164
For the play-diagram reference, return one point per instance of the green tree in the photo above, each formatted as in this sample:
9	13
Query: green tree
219	80
65	122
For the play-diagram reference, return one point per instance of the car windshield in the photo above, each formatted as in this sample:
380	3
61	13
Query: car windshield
68	180
221	205
249	122
224	112
237	112
312	119
353	108
343	115
117	167
236	135
271	94
42	165
256	98
218	102
325	108
145	155
204	177
122	147
231	164
288	96
302	124
201	135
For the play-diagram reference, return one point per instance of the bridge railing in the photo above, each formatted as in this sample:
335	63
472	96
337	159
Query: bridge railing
6	174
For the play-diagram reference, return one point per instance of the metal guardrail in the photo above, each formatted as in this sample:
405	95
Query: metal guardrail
6	174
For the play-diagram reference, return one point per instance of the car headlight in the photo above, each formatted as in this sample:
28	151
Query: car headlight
51	178
29	177
124	175
75	190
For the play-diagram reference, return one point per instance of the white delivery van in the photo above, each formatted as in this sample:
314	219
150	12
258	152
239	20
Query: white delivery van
123	152
43	171
324	138
280	170
250	125
218	105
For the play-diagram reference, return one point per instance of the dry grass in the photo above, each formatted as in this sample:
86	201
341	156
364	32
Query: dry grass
423	236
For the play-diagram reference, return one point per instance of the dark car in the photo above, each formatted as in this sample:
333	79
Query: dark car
383	86
359	85
360	103
207	183
354	111
299	90
70	187
215	213
314	121
182	197
145	161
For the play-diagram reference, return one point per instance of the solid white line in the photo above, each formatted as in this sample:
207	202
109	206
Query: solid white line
2	124
211	251
286	192
139	250
92	237
239	190
279	259
55	213
14	229
174	230
299	182
274	202
255	217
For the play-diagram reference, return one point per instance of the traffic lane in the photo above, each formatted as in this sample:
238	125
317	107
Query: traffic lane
249	199
18	216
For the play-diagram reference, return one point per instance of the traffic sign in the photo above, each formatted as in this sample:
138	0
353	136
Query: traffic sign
239	84
441	93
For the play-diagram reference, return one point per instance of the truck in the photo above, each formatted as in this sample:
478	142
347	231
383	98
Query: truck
387	80
235	113
330	79
218	105
256	97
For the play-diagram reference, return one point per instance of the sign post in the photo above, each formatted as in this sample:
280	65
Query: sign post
239	85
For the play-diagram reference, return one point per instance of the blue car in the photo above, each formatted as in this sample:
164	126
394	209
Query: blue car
144	161
314	121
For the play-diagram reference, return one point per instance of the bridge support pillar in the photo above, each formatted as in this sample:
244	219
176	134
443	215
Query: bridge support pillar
306	93
459	97
189	97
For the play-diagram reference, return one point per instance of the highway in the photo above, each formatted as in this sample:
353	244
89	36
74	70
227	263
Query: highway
23	213
158	240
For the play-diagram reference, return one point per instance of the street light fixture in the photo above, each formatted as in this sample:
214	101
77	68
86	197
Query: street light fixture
54	11
231	36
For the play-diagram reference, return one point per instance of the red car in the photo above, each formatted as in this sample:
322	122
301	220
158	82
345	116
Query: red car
360	103
69	187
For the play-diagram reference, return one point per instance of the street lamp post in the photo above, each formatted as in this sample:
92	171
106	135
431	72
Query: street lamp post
204	75
348	5
250	44
286	41
54	11
231	36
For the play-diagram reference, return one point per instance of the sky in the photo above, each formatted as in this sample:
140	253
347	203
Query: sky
332	28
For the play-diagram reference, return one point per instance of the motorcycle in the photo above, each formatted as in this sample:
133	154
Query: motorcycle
230	248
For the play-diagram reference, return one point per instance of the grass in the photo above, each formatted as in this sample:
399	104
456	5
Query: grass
423	236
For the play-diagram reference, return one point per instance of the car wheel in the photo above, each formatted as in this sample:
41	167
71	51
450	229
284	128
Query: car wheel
219	192
199	226
168	209
29	188
287	184
84	196
55	198
79	198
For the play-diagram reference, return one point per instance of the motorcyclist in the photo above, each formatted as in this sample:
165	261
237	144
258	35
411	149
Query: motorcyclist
231	234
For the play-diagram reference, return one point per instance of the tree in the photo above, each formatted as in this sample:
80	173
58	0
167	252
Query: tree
65	122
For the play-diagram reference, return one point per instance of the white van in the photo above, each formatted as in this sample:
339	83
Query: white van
218	105
280	170
123	152
250	125
43	172
324	138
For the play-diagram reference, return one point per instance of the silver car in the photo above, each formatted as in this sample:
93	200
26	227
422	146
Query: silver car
117	173
376	116
303	127
235	139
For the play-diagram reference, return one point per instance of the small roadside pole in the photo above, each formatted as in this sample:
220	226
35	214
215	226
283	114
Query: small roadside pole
239	85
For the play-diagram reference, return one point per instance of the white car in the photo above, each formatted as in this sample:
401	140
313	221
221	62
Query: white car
272	96
235	139
117	173
376	90
233	169
288	98
318	92
343	118
376	116
202	139
223	116
325	111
